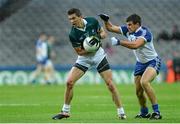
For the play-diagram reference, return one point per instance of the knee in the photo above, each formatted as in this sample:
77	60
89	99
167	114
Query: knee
111	86
69	84
144	83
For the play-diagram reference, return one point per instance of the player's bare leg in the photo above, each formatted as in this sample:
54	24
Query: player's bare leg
147	77
73	76
107	76
36	73
140	92
141	98
49	74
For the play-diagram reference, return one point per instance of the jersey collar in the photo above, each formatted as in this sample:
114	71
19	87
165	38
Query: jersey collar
85	23
138	29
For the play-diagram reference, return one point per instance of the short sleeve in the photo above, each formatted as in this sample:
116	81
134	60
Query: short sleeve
146	35
124	30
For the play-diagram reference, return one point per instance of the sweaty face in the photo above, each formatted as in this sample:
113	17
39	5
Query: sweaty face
74	19
132	27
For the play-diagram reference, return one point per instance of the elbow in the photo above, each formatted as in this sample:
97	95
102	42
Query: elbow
135	47
79	53
109	29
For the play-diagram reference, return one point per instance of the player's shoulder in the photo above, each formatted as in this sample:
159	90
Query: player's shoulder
146	29
143	31
90	19
72	31
146	33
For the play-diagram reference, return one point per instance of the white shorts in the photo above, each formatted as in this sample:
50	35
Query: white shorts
90	61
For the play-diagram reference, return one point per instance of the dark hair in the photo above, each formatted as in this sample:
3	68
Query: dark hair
74	11
42	33
134	18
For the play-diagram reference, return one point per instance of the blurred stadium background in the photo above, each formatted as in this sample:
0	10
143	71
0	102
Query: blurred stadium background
22	20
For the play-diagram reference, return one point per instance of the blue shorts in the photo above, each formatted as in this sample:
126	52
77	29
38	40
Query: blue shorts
141	67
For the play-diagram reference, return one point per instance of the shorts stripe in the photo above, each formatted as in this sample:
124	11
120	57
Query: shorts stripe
141	67
81	67
103	66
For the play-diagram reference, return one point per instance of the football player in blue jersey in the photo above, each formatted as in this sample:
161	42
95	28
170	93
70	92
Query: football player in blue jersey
82	28
43	58
140	40
41	54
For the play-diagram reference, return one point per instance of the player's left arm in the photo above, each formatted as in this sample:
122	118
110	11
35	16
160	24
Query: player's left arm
134	44
131	45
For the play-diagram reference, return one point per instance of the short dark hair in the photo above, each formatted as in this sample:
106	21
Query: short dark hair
42	33
134	18
74	11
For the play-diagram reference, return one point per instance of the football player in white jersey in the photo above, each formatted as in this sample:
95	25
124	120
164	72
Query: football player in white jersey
140	40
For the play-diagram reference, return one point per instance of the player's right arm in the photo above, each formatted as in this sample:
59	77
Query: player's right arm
108	25
112	28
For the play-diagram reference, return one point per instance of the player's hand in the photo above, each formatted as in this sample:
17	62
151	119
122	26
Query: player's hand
104	17
115	41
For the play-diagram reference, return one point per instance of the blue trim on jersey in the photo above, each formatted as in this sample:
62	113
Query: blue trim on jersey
148	36
141	67
124	30
145	33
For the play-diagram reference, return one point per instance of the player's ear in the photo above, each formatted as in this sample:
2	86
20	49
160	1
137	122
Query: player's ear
81	16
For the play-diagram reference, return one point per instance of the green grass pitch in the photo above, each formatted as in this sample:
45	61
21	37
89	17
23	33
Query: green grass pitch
90	104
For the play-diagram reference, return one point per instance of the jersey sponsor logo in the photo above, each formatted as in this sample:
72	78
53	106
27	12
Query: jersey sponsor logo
93	31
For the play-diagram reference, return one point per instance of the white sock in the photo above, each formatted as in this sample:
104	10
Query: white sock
120	111
66	108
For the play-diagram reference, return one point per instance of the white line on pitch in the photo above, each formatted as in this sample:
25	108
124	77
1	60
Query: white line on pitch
19	104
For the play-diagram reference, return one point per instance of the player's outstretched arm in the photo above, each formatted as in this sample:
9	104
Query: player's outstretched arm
109	26
131	45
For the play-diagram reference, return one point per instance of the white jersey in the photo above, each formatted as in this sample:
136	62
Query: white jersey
146	52
41	51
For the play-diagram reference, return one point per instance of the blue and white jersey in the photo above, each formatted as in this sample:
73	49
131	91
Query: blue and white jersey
41	52
146	52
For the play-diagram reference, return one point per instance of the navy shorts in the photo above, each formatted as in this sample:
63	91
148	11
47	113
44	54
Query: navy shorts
141	67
